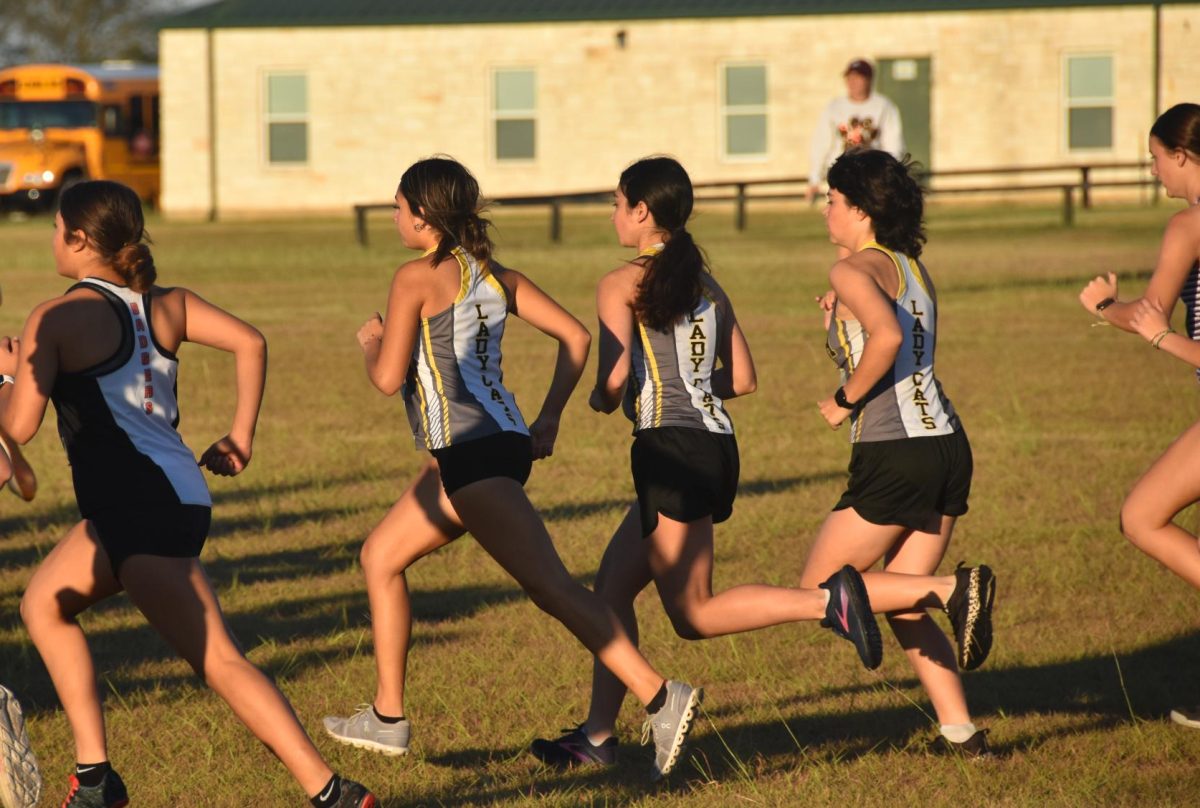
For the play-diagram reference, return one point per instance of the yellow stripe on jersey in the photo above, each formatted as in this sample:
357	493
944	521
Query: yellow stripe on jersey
843	338
842	331
914	267
494	282
902	286
464	269
424	410
648	350
437	380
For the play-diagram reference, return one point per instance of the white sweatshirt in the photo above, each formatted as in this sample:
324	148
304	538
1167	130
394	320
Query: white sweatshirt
873	124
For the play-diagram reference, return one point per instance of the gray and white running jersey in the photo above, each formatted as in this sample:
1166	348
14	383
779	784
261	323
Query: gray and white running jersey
118	419
908	401
455	388
670	380
1190	296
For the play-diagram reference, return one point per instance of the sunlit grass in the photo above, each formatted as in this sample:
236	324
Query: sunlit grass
1094	641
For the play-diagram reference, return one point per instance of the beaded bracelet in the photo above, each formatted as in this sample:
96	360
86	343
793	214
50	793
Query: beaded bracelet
1157	339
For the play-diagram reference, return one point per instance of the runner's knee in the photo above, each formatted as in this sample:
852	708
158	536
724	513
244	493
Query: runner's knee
686	621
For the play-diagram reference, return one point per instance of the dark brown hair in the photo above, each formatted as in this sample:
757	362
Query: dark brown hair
1179	128
881	186
671	286
110	216
444	193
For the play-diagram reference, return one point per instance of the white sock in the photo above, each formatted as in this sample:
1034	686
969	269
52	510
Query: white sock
828	595
958	733
595	739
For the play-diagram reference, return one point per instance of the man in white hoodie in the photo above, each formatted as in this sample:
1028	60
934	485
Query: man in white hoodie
859	120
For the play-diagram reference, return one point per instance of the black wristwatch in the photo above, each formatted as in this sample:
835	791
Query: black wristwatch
1104	304
840	399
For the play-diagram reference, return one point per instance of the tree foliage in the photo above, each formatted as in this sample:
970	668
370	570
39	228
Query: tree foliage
79	31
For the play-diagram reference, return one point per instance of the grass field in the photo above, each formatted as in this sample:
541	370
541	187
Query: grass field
1094	642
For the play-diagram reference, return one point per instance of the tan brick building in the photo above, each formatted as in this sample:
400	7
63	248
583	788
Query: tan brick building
272	106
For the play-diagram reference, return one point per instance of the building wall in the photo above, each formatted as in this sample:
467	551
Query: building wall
1181	52
381	97
183	111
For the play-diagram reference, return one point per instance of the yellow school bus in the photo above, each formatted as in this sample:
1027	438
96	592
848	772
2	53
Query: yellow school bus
60	124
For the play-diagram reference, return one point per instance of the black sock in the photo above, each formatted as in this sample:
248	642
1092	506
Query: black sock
330	794
91	775
660	698
387	719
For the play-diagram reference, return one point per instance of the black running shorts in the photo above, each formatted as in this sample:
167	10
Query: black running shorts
911	482
505	454
683	473
171	530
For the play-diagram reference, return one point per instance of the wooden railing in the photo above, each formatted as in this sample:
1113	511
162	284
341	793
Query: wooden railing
741	193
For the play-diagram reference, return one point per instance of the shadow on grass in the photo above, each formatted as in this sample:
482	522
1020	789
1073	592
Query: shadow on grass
114	650
1155	678
226	496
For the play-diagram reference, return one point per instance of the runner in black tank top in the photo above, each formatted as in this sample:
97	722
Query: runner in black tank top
104	352
674	352
1170	484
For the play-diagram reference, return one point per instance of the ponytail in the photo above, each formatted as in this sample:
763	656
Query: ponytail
110	216
673	281
135	264
446	196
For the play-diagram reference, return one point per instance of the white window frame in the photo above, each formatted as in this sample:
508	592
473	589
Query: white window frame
726	110
285	117
511	115
1084	102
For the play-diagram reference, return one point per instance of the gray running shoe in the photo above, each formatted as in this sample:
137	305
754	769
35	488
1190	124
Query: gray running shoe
20	782
366	731
670	726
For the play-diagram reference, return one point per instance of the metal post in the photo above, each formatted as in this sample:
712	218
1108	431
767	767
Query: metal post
1085	187
360	224
556	220
740	207
1068	207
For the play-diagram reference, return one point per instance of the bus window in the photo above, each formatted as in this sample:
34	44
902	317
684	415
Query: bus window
114	123
45	114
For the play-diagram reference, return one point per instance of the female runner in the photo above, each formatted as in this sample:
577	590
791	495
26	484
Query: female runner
673	348
105	353
910	461
440	345
1172	482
